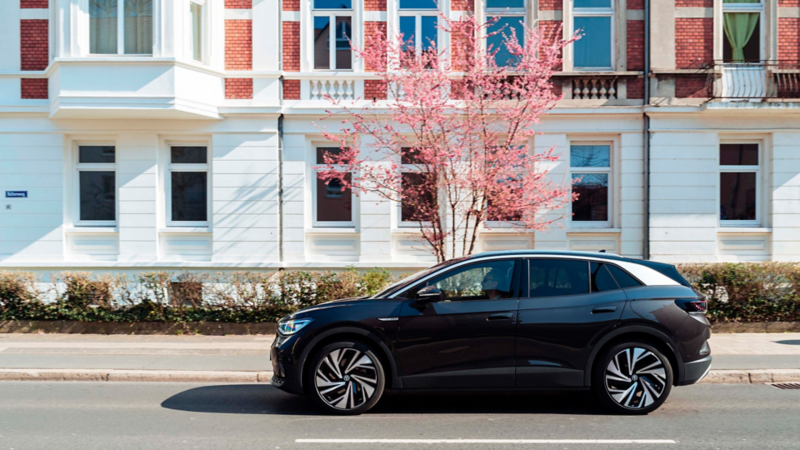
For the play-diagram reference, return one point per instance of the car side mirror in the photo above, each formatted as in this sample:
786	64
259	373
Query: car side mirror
429	294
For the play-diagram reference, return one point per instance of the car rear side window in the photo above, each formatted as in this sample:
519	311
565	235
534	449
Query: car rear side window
601	278
556	277
623	279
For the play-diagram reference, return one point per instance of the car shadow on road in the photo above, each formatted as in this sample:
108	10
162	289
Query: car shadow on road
265	399
789	342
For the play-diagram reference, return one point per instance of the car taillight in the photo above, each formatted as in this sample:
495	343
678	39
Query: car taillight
692	305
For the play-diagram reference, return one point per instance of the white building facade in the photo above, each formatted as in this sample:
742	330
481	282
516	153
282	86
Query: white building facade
181	134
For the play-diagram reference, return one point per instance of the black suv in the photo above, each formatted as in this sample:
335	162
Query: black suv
626	328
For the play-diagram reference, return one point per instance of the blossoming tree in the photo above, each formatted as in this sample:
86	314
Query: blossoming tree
452	143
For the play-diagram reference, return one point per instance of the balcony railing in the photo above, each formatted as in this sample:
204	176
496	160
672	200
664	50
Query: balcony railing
754	81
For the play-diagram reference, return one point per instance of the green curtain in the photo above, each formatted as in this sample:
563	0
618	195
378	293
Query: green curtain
739	28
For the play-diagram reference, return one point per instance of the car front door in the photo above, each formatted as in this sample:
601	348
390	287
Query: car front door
569	303
465	339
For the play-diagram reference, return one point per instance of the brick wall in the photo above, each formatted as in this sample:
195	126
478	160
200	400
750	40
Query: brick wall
788	39
694	3
550	30
694	42
34	88
33	4
635	4
238	88
374	5
238	45
291	46
636	88
34	47
635	42
691	87
291	89
788	2
373	29
463	5
374	89
291	5
549	5
238	4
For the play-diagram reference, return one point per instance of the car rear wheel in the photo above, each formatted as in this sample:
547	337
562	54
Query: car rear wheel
632	378
346	378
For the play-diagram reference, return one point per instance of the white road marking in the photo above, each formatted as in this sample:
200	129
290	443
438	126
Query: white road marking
484	441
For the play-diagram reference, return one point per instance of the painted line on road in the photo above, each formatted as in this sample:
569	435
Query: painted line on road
484	441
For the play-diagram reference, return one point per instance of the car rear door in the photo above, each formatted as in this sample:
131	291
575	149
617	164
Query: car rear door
569	303
467	339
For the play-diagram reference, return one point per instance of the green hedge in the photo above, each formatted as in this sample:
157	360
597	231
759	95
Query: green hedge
742	292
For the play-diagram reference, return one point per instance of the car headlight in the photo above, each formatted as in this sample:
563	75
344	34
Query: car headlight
292	326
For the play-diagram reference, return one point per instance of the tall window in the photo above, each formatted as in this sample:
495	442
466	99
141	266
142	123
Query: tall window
418	24
97	186
590	166
197	17
742	30
187	196
510	16
121	27
416	199
333	21
595	20
333	205
739	166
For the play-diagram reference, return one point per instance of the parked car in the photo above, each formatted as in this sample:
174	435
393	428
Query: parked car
628	329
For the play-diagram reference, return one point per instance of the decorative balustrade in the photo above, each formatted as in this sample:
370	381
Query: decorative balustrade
754	81
335	88
594	88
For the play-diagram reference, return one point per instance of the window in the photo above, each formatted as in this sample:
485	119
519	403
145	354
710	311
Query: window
489	280
333	52
197	18
510	15
187	195
418	24
594	19
590	166
417	201
601	278
333	204
739	177
623	278
557	277
121	27
97	186
742	30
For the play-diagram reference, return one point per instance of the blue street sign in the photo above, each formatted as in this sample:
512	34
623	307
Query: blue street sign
16	194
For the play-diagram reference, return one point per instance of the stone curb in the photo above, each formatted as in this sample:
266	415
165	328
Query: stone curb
203	376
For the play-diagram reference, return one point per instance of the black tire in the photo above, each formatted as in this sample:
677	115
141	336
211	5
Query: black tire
355	387
636	390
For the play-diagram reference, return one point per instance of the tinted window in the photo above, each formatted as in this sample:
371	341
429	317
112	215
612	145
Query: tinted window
189	196
483	281
601	278
189	155
623	279
96	154
552	277
97	195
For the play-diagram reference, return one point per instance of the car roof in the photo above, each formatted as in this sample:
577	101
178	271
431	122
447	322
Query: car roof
603	255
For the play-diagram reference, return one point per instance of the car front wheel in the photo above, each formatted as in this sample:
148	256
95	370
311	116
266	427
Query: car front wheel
346	378
632	378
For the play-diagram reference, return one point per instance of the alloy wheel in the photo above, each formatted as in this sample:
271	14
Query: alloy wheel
346	378
635	378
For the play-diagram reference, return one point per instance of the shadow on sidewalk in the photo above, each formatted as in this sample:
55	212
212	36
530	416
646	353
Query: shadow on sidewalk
265	399
789	342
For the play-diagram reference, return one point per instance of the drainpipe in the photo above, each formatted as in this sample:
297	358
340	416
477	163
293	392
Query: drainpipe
646	144
280	135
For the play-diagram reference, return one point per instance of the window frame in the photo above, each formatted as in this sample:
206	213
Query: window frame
94	167
490	13
315	223
595	170
204	23
518	278
758	8
609	12
171	167
120	31
332	14
408	168
418	13
741	169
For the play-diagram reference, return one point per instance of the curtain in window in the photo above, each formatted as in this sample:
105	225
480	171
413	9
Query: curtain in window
739	29
138	27
102	26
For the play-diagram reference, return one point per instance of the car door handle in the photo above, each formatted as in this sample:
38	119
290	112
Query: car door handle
604	309
501	316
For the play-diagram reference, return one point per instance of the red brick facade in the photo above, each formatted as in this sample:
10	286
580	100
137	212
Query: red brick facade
238	45
691	87
238	88
238	4
291	46
34	88
635	50
788	39
550	5
788	2
635	4
34	4
550	30
291	89
374	5
635	88
34	47
374	89
694	42
373	29
694	3
291	5
463	5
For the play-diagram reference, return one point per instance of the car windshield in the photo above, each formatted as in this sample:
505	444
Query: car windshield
410	279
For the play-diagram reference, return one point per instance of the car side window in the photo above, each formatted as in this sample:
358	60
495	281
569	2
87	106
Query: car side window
623	279
602	280
487	280
556	277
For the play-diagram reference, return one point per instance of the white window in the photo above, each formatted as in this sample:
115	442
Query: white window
741	28
333	24
333	203
594	19
187	186
510	15
121	27
739	179
197	30
414	198
419	20
590	170
96	185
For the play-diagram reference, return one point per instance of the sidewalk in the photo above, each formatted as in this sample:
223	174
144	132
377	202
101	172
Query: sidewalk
740	358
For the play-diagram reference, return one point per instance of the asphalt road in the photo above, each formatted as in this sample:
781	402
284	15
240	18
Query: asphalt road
175	416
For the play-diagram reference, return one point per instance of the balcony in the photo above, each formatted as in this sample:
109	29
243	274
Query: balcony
754	81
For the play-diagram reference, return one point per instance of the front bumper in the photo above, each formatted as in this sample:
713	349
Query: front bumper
695	371
285	376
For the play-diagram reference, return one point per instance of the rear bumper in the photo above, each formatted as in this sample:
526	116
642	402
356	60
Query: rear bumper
695	371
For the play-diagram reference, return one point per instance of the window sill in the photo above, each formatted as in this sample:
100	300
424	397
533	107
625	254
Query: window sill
332	230
184	230
593	230
743	230
91	230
